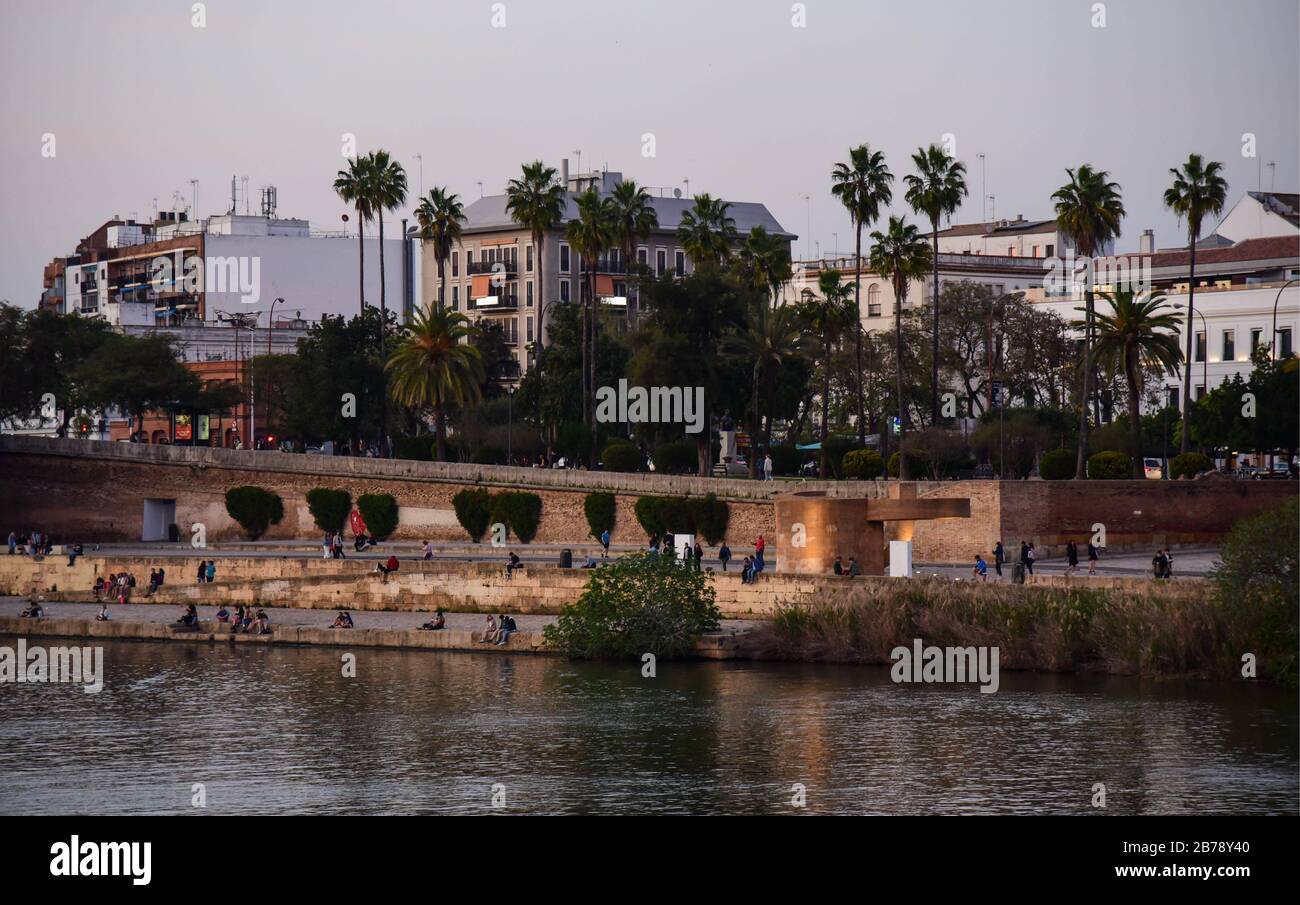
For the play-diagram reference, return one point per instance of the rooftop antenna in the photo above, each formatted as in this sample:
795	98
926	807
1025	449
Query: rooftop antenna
420	158
687	183
984	188
578	154
993	209
480	188
194	194
1272	174
243	180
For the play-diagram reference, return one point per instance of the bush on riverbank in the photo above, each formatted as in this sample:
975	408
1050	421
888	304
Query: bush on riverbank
473	511
1163	630
519	511
637	605
706	516
380	513
255	508
600	509
329	508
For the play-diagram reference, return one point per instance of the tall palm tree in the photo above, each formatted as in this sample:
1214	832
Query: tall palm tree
828	318
1198	189
863	187
388	192
935	189
634	219
1138	333
434	364
353	186
769	338
1088	210
899	255
766	259
441	216
536	202
707	231
591	234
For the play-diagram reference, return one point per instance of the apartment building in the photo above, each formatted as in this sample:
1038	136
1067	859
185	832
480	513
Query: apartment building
493	271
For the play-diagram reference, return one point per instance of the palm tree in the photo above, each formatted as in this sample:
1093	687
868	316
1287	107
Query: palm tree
1198	189
772	336
434	364
935	189
899	255
353	186
1088	210
536	202
1139	333
634	219
591	235
707	231
441	216
828	319
388	192
766	259
862	185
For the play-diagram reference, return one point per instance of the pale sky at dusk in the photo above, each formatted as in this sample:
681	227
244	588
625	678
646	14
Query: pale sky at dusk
739	101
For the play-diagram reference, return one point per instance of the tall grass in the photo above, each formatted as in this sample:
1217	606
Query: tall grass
1177	629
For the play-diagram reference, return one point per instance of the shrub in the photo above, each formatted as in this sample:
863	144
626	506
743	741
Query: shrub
918	464
648	515
677	457
519	511
474	512
601	510
573	441
711	518
620	455
1189	465
861	464
786	460
329	508
836	449
419	448
1057	465
637	604
1110	465
255	508
380	512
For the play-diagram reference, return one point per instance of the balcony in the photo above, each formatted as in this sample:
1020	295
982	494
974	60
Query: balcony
480	268
506	304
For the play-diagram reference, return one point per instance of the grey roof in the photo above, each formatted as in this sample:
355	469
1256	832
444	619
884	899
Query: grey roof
489	214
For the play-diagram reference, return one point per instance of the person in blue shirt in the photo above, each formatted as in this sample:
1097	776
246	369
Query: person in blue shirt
604	542
981	570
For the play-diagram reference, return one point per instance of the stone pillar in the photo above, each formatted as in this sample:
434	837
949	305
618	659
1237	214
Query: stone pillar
812	529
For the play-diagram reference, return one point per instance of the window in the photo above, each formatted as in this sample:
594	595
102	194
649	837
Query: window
564	258
1200	391
564	290
1171	400
1200	347
873	300
530	319
528	259
1051	249
1284	342
1229	345
1256	339
643	256
1035	251
455	298
528	294
455	263
1011	251
661	261
679	262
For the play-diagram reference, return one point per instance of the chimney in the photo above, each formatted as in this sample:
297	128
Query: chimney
564	172
1147	243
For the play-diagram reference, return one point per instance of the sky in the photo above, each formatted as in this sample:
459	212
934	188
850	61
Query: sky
752	100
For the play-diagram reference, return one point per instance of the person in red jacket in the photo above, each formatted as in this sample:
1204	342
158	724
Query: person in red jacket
759	546
384	568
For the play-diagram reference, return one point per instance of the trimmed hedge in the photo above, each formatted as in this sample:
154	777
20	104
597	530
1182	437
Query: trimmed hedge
1189	465
519	511
918	464
836	449
601	510
329	508
1110	465
255	508
1057	465
380	512
620	455
474	512
861	464
677	457
706	516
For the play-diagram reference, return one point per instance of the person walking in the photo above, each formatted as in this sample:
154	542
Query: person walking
203	571
759	546
724	554
1093	556
211	571
999	557
1169	563
604	543
1029	563
699	556
327	546
767	467
1024	556
1071	558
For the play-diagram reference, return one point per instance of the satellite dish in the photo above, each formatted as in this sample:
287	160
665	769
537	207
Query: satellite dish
677	193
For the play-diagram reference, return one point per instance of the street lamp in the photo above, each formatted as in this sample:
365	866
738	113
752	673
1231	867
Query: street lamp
1272	340
1205	358
510	416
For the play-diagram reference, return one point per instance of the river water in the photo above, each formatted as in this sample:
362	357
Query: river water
282	731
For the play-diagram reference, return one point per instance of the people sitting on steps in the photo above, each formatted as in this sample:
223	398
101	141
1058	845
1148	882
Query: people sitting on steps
437	623
342	620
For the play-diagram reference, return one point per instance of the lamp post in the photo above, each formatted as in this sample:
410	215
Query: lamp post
1205	357
1272	340
510	421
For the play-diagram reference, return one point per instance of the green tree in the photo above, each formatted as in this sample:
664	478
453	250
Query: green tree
432	365
707	231
136	375
1198	190
591	234
1138	333
353	187
634	218
329	508
387	192
900	256
379	510
935	189
536	201
441	217
829	318
254	508
768	340
1089	211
